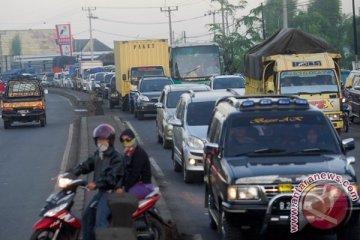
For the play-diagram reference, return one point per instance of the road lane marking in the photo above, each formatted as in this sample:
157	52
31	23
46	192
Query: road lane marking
66	155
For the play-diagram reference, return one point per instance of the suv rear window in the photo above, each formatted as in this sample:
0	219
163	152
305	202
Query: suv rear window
288	133
199	113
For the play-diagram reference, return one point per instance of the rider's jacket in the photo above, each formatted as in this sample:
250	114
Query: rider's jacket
108	170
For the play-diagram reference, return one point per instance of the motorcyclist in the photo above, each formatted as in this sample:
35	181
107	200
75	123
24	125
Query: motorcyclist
138	169
108	167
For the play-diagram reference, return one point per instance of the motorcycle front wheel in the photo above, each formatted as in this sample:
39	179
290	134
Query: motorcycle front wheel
48	234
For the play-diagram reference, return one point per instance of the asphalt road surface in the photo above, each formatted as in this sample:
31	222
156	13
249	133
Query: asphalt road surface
30	157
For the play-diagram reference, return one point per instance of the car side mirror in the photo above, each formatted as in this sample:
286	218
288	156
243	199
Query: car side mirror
349	144
158	105
175	122
211	149
357	87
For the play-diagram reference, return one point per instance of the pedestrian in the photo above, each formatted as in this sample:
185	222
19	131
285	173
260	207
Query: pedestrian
108	167
138	169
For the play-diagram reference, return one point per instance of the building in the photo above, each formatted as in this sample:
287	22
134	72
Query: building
35	49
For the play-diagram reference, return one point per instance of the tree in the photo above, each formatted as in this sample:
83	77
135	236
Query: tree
246	32
273	15
16	46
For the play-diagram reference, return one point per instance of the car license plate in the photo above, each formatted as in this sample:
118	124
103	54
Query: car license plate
23	112
284	205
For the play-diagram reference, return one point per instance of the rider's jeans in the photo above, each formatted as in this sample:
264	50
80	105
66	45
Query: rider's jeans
96	215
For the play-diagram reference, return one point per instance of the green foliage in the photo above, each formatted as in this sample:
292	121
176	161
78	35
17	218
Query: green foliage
16	46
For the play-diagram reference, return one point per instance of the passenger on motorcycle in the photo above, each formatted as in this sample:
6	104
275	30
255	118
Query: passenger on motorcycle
138	169
108	167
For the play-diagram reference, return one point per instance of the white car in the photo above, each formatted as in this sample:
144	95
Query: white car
224	82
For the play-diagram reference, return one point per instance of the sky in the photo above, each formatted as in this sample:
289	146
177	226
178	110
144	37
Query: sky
121	19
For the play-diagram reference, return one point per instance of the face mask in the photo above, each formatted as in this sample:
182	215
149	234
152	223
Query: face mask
129	143
103	146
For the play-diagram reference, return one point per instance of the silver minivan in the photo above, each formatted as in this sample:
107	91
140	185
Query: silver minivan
190	123
166	108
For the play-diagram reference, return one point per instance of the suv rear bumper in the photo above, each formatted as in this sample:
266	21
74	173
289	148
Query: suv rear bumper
32	115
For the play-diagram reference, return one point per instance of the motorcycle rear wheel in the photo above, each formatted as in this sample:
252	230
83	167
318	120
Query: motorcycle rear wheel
155	229
48	234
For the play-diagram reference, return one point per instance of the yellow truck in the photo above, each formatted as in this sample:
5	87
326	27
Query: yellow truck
292	62
134	60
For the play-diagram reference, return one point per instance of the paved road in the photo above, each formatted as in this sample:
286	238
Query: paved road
30	157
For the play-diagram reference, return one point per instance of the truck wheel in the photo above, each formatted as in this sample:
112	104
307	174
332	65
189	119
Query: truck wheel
7	124
140	115
229	230
43	122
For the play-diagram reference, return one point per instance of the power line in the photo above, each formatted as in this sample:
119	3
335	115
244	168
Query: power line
148	23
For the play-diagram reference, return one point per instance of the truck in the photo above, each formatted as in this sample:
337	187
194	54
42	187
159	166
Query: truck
194	63
133	60
293	62
79	73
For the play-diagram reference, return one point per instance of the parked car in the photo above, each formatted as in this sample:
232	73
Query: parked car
148	94
263	160
223	82
190	123
166	108
106	85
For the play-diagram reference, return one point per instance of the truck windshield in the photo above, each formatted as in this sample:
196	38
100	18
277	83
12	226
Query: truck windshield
199	113
309	81
283	133
195	61
138	72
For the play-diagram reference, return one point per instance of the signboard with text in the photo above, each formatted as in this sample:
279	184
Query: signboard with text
64	39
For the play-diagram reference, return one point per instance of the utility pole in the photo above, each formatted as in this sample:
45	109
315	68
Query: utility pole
169	10
263	21
285	15
213	20
90	16
223	17
355	32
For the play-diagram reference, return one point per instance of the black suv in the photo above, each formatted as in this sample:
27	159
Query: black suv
258	150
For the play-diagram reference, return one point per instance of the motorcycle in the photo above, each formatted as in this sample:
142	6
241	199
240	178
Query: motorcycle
58	223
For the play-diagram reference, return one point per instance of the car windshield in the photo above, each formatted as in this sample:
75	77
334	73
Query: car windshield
199	113
228	82
309	81
153	85
99	77
108	78
285	133
173	98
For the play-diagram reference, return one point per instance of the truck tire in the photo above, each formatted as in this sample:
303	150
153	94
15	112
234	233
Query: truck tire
7	124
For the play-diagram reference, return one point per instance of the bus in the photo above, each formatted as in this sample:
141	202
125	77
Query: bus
194	62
